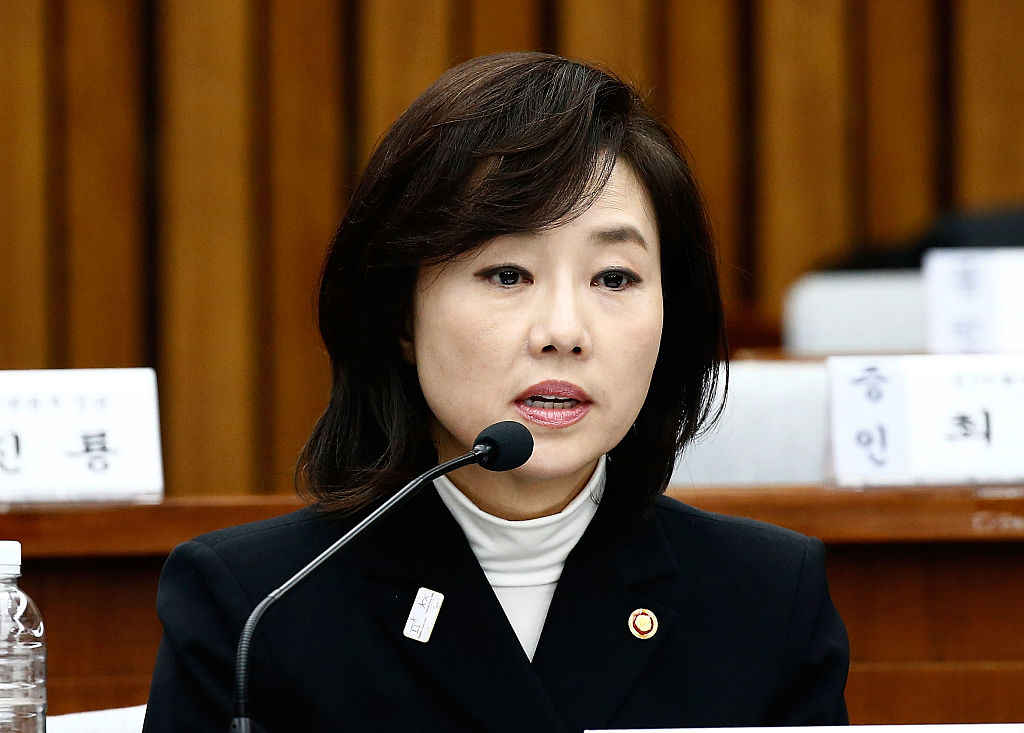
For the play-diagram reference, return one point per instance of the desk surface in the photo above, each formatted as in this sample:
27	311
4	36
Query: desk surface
836	516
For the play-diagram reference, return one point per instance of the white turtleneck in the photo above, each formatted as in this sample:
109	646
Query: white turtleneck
523	559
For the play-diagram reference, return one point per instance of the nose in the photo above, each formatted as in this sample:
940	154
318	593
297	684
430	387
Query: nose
560	322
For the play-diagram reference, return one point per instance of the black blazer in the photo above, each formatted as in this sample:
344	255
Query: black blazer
747	634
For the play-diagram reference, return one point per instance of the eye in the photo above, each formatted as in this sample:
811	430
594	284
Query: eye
616	279
506	276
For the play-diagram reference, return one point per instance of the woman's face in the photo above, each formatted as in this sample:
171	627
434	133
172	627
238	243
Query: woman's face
558	330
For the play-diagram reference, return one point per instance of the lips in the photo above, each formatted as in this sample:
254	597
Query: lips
553	403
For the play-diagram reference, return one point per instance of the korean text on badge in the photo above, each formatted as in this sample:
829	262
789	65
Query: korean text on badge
423	614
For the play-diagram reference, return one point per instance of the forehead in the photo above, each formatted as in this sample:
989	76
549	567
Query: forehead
625	189
625	195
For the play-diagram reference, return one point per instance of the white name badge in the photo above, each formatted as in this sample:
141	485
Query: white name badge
905	420
71	435
975	302
423	615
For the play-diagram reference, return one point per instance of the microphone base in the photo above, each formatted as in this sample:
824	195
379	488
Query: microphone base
241	725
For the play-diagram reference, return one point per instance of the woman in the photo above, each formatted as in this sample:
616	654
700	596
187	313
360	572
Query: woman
526	243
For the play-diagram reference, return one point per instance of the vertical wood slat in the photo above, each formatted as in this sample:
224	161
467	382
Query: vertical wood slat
305	202
24	267
803	185
504	26
103	184
702	105
404	47
207	309
989	100
615	33
901	118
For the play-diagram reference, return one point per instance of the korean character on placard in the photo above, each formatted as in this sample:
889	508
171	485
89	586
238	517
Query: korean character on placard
873	382
873	442
967	425
10	452
967	332
95	450
966	280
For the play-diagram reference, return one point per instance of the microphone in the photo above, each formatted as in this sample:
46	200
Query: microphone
499	447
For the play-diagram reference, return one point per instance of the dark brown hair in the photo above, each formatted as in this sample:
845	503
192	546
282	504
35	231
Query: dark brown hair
507	143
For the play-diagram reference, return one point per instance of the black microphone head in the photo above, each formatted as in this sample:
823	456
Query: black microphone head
509	444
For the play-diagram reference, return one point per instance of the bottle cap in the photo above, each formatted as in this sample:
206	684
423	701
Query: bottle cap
10	557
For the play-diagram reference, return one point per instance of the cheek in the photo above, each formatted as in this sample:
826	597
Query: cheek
452	335
637	351
462	354
438	329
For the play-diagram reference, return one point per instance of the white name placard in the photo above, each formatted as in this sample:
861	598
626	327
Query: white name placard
79	435
975	302
926	419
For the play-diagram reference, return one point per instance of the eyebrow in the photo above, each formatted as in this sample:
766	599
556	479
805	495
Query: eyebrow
618	235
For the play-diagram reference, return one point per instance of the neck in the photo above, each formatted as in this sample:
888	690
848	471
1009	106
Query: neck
508	495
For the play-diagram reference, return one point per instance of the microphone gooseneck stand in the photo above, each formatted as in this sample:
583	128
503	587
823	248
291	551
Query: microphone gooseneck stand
501	447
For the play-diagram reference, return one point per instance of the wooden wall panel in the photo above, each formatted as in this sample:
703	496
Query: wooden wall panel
24	231
616	33
803	137
930	644
207	309
882	626
306	198
109	669
403	48
936	692
102	190
933	607
701	101
812	124
900	118
989	102
505	26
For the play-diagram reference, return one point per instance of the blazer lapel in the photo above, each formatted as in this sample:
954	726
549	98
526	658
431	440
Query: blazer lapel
472	652
587	659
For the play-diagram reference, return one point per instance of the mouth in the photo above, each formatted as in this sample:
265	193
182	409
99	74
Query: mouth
553	404
549	402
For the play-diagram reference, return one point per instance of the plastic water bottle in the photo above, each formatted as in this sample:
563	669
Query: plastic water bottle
22	651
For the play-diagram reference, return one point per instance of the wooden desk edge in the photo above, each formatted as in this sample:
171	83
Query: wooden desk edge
839	516
835	516
126	530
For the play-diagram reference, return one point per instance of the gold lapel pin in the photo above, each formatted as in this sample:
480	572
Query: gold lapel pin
643	623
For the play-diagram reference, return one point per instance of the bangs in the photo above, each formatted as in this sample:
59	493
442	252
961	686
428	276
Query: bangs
524	150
